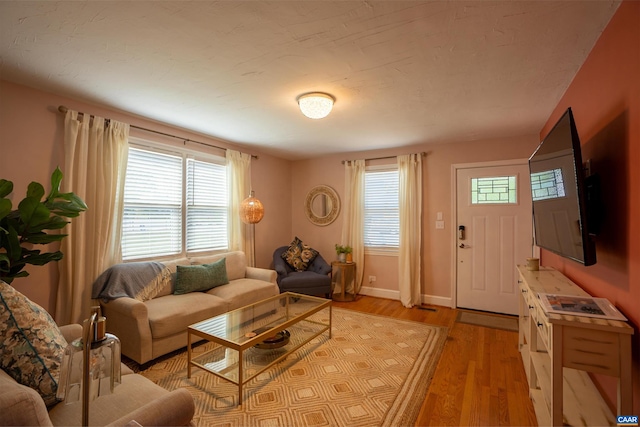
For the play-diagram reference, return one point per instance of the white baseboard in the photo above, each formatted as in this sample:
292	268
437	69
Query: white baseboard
395	295
380	293
436	300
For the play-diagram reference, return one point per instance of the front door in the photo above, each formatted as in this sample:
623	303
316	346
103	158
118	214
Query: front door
495	234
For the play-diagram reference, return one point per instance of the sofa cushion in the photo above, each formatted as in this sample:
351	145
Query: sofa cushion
241	292
299	255
193	278
133	392
31	344
172	265
236	263
172	314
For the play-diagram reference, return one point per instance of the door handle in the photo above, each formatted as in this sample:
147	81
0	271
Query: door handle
463	246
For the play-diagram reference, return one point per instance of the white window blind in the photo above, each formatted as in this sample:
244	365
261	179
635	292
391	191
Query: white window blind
152	221
207	203
381	212
157	213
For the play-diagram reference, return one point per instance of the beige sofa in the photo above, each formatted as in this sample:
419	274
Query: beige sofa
152	328
135	399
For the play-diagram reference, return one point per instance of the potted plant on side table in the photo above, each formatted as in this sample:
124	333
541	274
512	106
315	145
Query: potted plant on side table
344	253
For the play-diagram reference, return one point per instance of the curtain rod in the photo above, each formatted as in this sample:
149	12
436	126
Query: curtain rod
64	109
381	158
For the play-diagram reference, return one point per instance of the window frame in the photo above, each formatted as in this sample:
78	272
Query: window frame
387	250
184	153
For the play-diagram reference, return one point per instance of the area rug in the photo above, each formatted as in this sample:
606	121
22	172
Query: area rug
374	371
488	320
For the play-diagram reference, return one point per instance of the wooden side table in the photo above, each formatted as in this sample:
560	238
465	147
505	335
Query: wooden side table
343	281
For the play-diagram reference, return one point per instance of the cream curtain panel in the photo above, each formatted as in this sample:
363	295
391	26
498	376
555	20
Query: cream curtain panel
95	167
239	185
410	212
353	223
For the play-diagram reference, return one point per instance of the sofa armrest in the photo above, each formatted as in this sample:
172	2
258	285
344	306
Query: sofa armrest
172	409
279	264
128	319
261	274
71	332
20	405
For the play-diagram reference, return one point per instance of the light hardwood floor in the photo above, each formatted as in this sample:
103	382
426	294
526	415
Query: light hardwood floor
479	381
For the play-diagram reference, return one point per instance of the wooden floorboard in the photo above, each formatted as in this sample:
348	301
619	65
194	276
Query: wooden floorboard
479	381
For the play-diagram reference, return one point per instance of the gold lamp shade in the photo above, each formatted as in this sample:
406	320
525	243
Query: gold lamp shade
251	210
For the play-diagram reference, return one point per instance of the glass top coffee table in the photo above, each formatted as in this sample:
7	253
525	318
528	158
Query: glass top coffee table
253	338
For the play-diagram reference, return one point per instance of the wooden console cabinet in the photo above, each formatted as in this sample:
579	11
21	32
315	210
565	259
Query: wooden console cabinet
558	351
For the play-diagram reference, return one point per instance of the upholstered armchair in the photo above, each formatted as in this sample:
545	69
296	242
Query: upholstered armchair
314	280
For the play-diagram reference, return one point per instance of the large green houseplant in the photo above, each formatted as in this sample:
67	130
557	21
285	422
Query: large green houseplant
28	225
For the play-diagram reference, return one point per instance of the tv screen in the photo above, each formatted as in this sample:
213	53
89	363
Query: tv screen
559	194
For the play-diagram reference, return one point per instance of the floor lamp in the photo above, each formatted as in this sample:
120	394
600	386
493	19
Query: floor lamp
251	212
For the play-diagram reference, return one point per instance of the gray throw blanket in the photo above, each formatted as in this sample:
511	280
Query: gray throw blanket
139	280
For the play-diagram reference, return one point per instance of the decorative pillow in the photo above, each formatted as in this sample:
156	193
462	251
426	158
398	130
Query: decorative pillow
194	278
299	255
31	344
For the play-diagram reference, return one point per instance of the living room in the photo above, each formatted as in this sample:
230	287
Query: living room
604	95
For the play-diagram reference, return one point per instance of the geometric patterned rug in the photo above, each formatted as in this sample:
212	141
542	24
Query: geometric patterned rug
374	371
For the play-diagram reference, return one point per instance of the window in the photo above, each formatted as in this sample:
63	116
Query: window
493	190
206	206
173	204
381	209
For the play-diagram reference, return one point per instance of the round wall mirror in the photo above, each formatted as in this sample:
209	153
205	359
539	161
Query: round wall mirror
322	205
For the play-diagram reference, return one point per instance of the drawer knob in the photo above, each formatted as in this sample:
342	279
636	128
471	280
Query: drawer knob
531	307
539	324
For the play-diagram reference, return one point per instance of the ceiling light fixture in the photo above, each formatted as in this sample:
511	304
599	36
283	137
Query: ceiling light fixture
316	105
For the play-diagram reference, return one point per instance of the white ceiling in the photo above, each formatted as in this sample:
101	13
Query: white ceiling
402	72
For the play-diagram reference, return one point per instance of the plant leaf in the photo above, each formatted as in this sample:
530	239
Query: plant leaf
56	179
9	278
14	251
42	238
35	190
33	212
66	209
4	260
54	223
5	207
6	187
42	259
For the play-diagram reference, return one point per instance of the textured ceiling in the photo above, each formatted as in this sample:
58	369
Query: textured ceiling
402	72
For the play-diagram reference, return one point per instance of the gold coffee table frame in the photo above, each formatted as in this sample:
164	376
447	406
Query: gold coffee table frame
240	330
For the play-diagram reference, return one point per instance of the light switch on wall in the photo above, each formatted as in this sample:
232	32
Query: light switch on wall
440	225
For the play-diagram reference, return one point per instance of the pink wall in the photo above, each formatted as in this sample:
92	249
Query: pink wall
605	99
31	146
437	193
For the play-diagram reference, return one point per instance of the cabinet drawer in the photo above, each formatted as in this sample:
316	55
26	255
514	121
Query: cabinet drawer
592	350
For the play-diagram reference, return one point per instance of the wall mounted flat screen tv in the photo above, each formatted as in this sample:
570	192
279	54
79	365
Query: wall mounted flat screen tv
559	191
